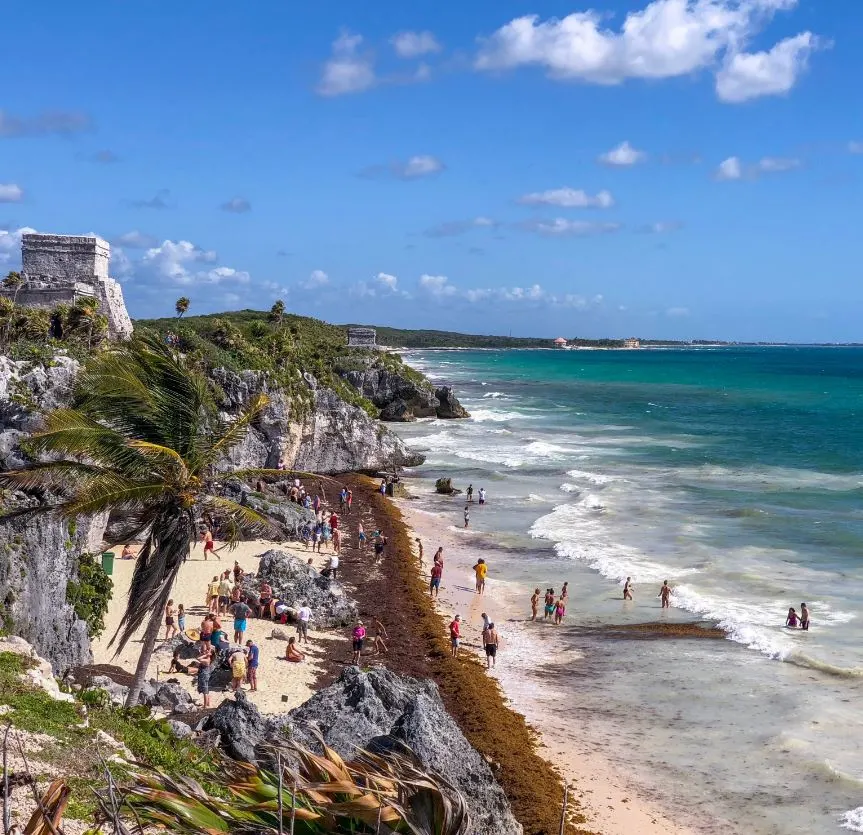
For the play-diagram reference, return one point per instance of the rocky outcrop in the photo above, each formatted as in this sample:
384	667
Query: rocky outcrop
331	437
403	397
240	726
296	582
38	557
383	711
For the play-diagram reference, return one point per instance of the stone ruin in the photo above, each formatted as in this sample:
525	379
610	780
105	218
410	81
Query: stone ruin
60	269
362	338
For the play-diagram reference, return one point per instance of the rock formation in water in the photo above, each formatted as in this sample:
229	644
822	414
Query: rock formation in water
403	396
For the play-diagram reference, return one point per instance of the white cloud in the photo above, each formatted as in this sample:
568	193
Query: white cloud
316	279
387	280
414	44
855	147
176	262
772	165
137	240
563	228
10	244
11	193
623	155
437	285
750	75
730	169
569	198
382	284
237	205
666	39
420	166
347	71
677	312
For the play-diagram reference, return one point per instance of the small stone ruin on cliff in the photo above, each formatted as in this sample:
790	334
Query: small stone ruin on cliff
362	338
60	269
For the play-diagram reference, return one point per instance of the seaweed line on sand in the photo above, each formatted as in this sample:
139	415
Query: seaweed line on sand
395	592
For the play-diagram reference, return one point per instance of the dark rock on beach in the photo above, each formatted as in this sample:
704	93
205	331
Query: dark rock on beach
240	726
381	710
449	407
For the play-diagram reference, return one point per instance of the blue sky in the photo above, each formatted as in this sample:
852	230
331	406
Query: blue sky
669	169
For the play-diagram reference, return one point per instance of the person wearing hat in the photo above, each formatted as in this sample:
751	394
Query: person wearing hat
359	636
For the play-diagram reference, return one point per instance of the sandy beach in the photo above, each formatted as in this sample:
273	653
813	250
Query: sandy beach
281	685
607	799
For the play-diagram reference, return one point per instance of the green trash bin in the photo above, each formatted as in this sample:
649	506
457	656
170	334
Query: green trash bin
108	562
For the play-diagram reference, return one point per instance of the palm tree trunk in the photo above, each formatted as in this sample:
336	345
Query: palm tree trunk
147	648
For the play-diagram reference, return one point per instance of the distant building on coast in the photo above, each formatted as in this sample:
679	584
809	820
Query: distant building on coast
362	338
560	342
632	342
60	269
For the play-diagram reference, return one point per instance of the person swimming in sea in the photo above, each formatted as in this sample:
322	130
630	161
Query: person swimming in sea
791	621
804	617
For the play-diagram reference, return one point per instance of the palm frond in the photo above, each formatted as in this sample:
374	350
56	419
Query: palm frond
112	493
51	475
238	518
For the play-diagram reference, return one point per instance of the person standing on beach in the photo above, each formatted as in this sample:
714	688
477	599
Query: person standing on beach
534	604
480	569
438	555
549	603
490	641
241	614
380	544
170	628
436	576
380	634
239	669
205	663
225	589
485	621
358	636
254	657
627	589
665	594
466	515
470	492
361	537
350	500
455	635
304	615
181	618
419	543
482	495
207	537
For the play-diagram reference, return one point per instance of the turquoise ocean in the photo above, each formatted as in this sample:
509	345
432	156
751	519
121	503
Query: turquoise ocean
735	473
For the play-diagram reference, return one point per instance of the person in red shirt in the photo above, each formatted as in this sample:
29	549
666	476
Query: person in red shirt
436	574
334	522
455	635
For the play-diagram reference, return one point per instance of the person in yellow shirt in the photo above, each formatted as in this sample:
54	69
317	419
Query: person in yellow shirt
213	595
481	569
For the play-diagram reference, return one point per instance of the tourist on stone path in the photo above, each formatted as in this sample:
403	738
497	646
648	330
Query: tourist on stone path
332	567
205	665
361	536
455	635
627	589
225	589
213	595
383	487
254	655
304	615
292	653
665	594
343	499
207	537
265	601
170	627
358	636
490	641
334	521
482	495
549	603
350	500
470	493
480	569
380	634
316	504
534	604
239	669
380	544
326	535
241	614
436	576
181	618
466	516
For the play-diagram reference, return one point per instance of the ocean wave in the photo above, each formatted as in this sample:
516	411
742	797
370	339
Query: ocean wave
496	415
570	488
853	820
775	478
591	478
802	660
495	395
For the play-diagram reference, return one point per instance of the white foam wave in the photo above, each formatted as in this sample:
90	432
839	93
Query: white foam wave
497	415
853	820
570	488
495	395
774	478
590	478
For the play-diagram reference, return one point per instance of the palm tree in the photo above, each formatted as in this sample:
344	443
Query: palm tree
277	312
181	306
143	439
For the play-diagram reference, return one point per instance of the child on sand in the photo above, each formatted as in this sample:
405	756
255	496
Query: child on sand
358	636
534	604
292	653
170	628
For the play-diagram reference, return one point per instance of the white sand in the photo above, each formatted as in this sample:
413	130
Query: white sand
605	796
282	686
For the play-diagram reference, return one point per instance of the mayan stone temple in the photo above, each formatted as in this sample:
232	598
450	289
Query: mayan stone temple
60	269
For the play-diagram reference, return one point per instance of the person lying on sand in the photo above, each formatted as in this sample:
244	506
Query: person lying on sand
292	653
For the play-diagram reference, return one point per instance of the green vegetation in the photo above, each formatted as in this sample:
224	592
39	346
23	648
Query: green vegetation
88	592
150	432
282	344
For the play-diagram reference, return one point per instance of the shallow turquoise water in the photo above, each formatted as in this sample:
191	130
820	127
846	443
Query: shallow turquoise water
737	474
